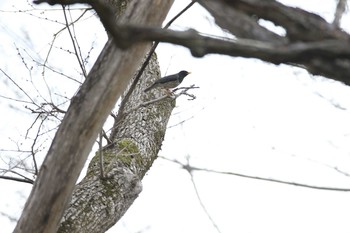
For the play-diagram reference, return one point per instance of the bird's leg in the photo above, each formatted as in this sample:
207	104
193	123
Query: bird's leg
169	92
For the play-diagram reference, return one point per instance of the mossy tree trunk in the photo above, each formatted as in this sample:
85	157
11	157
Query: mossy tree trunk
97	204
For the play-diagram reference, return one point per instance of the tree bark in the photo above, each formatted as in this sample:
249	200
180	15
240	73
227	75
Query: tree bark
97	204
84	119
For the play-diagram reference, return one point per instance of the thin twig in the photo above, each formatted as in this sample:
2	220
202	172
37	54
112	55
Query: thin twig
73	43
17	179
20	175
189	169
18	86
9	217
13	99
32	125
79	56
33	144
179	14
100	152
105	136
260	178
174	96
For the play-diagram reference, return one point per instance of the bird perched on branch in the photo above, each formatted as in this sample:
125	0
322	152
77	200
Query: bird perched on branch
169	82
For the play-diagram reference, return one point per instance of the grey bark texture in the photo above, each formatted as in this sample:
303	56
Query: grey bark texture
97	204
88	111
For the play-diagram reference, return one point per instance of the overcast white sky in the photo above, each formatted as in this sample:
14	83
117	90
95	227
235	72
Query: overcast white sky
249	117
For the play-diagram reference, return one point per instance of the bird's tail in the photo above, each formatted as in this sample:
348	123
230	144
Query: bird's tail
148	88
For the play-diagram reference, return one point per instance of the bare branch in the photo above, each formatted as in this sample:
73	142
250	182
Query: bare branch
100	151
320	57
341	171
17	100
184	91
18	86
109	141
240	25
320	47
192	168
188	168
62	2
28	181
180	13
74	43
202	45
153	101
20	175
300	25
33	151
11	218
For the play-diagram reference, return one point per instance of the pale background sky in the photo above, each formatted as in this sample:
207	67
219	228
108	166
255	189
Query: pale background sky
249	117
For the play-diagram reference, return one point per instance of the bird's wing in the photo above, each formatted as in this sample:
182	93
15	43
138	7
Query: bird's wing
166	79
150	87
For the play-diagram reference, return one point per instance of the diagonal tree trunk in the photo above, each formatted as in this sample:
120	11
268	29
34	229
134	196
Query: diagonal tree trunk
73	141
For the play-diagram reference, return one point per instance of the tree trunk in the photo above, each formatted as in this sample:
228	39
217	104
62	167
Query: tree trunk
89	109
97	204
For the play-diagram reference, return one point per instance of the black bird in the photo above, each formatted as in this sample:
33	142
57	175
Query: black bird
169	82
